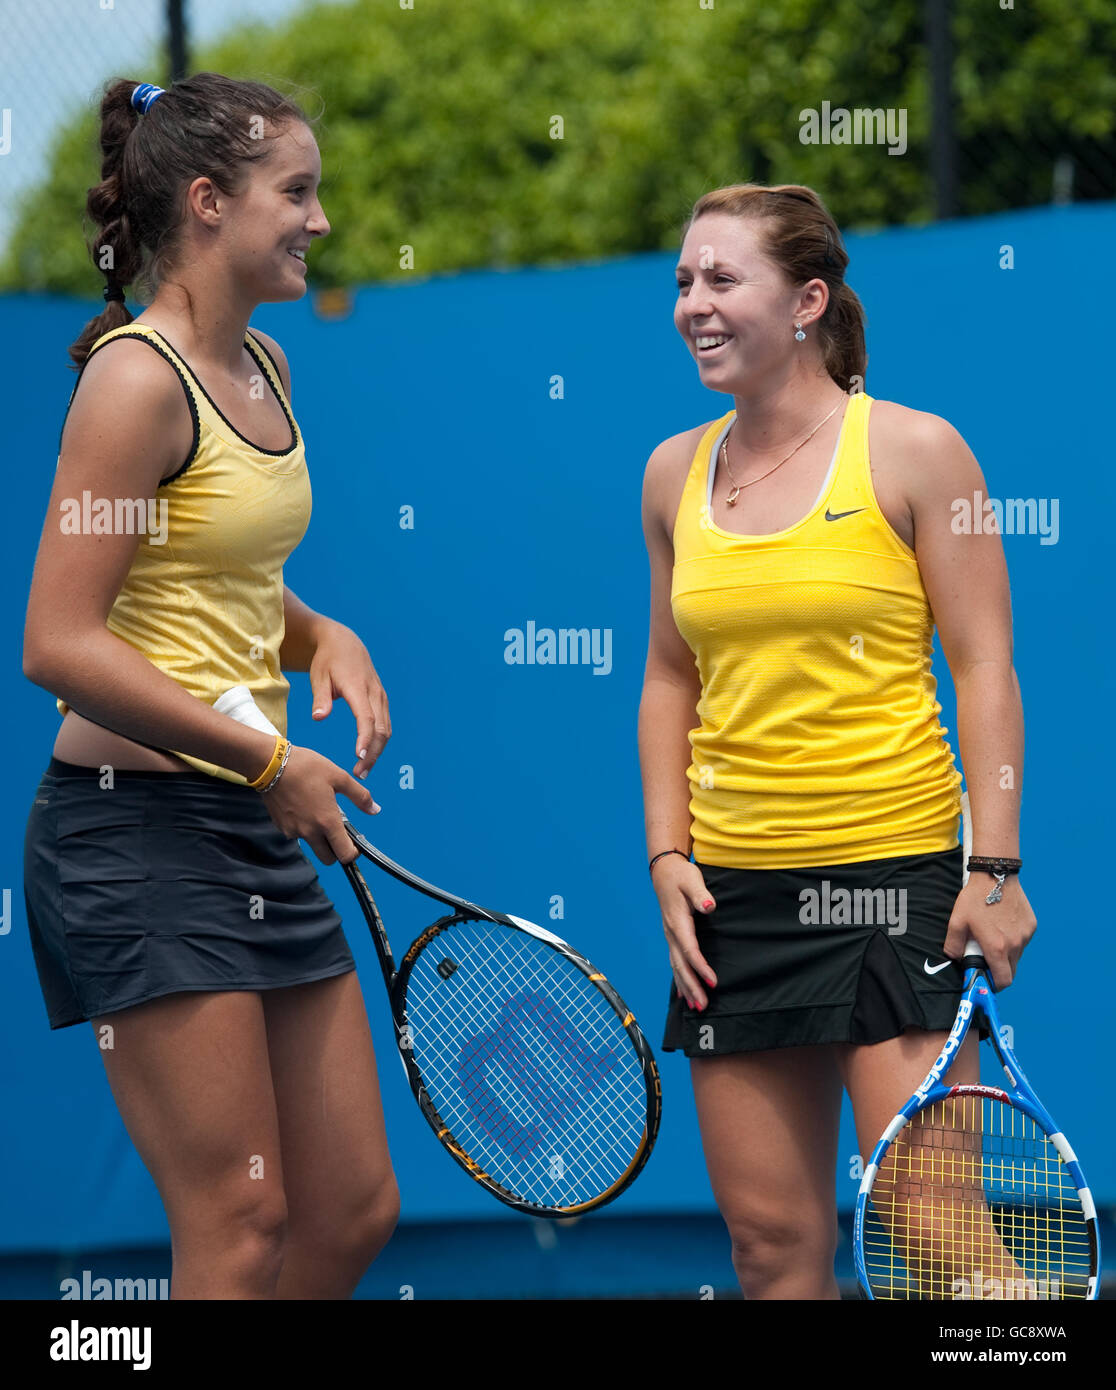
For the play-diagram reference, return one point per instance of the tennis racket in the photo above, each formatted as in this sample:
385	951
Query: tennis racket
973	1192
526	1063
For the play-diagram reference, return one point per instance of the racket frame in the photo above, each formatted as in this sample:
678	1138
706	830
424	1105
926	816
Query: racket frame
396	980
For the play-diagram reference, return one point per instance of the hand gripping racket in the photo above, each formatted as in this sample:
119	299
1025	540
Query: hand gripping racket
526	1063
973	1192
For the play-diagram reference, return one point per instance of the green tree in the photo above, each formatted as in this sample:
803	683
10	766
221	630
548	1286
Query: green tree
516	132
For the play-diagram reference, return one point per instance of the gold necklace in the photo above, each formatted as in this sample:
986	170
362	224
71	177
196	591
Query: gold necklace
736	487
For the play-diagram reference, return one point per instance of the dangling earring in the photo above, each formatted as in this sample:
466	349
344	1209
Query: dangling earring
799	336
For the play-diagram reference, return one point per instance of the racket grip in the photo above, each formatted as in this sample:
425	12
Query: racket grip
973	959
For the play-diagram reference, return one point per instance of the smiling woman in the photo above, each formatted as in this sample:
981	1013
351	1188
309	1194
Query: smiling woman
168	900
801	554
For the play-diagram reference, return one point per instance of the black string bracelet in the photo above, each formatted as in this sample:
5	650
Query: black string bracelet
664	853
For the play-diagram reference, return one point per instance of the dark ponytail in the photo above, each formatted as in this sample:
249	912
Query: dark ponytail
204	125
114	250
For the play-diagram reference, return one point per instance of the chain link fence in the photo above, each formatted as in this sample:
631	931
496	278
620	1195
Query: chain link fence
55	55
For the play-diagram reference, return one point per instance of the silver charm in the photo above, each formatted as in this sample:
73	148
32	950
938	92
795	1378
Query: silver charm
997	892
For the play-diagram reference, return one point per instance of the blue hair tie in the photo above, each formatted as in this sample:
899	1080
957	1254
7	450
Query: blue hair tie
144	95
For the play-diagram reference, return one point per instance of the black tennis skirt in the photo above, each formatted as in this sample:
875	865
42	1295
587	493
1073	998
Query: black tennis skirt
837	953
166	882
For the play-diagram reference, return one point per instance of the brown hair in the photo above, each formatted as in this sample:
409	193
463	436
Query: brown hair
802	239
204	125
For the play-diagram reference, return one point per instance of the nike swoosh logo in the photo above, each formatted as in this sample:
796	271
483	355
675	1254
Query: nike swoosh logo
836	516
933	969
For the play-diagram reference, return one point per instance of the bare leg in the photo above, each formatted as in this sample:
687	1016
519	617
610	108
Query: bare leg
342	1197
192	1080
769	1124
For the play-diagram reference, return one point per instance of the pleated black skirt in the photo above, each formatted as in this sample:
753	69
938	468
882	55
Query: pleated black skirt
164	882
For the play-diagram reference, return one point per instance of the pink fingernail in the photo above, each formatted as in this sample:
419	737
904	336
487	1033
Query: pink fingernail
707	904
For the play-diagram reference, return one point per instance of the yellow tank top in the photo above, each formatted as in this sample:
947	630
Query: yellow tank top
206	605
819	740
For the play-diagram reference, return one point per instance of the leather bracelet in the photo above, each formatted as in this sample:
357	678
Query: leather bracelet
998	868
266	777
662	854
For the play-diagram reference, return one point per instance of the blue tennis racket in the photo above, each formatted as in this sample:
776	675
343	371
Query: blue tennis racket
973	1192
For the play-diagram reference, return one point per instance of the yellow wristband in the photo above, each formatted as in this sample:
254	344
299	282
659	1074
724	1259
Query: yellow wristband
273	766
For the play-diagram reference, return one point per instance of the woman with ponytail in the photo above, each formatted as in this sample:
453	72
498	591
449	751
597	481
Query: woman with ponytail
168	900
801	801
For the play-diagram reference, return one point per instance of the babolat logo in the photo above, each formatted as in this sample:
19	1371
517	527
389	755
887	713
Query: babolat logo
952	1043
563	646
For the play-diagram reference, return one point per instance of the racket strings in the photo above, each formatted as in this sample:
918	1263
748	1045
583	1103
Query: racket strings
529	1031
972	1200
527	1062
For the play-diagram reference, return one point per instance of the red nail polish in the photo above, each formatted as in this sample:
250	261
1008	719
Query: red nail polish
707	904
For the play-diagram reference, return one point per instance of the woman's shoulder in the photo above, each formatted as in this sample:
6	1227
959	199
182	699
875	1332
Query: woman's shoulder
919	460
901	424
676	452
667	470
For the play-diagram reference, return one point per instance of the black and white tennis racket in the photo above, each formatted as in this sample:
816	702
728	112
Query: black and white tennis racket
973	1192
526	1063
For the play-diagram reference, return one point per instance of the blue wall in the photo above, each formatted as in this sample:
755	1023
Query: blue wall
436	395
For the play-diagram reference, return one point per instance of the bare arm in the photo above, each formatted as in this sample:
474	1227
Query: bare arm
966	580
303	629
667	713
118	443
668	705
114	452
